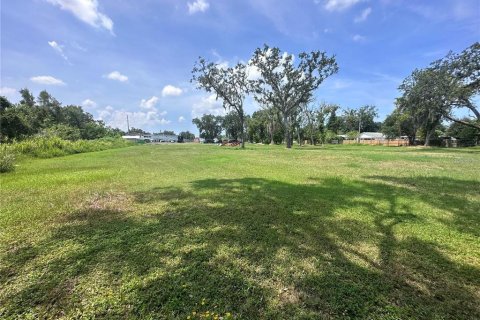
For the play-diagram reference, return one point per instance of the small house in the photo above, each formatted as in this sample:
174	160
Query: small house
372	136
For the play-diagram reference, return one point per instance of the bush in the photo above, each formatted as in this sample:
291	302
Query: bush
49	147
7	160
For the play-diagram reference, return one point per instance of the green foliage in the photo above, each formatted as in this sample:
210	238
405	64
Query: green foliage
363	116
136	131
263	126
54	146
63	131
399	124
431	95
48	116
461	131
230	84
232	125
209	126
287	85
7	159
187	135
352	134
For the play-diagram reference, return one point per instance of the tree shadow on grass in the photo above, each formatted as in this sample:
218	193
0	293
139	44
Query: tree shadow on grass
451	195
252	247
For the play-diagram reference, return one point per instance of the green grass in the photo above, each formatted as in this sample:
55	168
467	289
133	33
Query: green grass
163	231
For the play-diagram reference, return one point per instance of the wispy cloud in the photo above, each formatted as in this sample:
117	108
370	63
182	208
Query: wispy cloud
48	80
338	5
87	103
58	48
181	119
86	11
363	16
198	6
359	38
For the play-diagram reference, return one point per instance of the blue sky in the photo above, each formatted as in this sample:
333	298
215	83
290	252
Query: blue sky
119	57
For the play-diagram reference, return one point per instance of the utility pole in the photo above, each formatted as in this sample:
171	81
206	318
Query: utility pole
128	125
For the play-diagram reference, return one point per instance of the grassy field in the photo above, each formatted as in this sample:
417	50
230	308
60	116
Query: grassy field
201	231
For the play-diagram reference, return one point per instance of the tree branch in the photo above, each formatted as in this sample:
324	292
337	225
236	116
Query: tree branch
469	124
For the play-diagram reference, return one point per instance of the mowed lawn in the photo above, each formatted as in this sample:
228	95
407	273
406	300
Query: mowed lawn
200	231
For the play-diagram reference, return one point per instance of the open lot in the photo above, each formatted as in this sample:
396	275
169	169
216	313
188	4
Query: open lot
177	231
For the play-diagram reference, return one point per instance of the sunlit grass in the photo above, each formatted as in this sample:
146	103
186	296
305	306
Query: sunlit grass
178	231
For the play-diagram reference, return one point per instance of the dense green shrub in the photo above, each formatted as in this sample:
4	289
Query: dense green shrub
7	160
49	147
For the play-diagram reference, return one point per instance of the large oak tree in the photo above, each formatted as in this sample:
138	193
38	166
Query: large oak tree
287	85
230	84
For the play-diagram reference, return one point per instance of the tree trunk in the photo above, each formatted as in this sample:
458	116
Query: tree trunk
427	138
298	137
287	132
271	132
243	132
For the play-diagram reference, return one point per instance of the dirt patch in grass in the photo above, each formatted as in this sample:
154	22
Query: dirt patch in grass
107	201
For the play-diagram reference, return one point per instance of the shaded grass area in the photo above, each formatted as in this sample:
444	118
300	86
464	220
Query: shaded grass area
266	233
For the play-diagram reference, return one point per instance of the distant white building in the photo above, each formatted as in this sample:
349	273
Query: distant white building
152	137
372	136
133	138
164	138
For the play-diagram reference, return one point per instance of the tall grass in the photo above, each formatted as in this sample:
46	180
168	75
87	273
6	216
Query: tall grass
49	147
7	160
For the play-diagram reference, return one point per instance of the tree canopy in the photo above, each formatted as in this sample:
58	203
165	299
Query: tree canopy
47	116
287	85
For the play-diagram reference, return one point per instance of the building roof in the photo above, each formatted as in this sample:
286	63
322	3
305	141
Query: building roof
372	135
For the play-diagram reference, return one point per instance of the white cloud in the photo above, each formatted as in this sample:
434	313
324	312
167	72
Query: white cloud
363	16
87	103
115	75
339	5
181	119
253	73
198	6
86	11
149	104
7	92
58	48
358	38
170	90
48	80
208	105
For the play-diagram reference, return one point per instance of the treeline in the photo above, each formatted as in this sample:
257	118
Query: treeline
317	124
45	116
284	88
